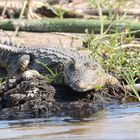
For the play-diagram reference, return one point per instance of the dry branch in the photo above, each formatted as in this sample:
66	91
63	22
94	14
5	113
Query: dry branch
91	11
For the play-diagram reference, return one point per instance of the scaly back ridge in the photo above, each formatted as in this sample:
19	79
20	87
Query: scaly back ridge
9	46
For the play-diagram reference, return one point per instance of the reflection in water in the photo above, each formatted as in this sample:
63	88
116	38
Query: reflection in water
119	123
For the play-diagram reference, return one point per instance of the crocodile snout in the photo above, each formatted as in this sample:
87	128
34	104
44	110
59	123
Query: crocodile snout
79	86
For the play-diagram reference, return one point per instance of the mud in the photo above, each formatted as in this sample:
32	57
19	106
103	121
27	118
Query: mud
35	97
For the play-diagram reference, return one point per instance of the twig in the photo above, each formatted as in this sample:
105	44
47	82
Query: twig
21	15
5	8
129	88
129	11
129	46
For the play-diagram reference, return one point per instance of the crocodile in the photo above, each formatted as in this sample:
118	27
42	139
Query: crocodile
79	72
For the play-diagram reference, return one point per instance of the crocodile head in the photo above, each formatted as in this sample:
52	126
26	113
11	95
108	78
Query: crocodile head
84	75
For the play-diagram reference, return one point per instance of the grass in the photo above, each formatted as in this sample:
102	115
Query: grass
123	64
2	79
21	15
129	77
54	75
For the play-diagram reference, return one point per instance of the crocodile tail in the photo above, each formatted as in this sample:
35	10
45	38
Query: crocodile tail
9	46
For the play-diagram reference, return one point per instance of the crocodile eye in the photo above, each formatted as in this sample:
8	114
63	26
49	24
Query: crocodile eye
90	65
72	65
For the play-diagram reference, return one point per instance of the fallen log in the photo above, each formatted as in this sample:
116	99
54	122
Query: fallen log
70	25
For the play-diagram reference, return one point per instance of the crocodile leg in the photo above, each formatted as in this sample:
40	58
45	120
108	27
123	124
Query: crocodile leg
19	66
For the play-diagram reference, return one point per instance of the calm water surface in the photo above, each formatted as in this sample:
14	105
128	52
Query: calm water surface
117	123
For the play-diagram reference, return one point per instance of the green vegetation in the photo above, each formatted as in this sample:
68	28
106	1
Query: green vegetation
108	50
122	62
21	15
54	76
129	77
2	79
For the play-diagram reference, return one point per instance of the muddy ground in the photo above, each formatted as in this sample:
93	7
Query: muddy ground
32	98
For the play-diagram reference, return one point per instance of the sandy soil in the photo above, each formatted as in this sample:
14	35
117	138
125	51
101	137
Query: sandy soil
45	39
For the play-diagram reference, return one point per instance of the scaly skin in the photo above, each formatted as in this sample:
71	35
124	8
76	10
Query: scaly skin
80	73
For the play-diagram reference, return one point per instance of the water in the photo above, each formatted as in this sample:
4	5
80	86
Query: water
114	123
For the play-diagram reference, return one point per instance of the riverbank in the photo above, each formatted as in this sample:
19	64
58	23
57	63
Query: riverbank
35	98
